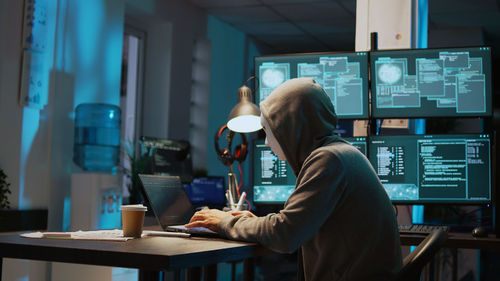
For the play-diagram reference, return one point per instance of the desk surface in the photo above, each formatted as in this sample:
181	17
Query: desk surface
457	240
169	253
151	253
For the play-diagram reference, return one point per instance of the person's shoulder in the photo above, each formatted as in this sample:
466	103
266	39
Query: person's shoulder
333	152
337	152
338	149
321	163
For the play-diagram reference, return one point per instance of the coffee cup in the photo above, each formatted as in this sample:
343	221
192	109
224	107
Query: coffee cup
133	219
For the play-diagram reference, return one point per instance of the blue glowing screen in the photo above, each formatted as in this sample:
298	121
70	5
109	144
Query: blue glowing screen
431	83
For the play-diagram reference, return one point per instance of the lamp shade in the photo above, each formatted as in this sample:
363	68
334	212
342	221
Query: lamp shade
245	116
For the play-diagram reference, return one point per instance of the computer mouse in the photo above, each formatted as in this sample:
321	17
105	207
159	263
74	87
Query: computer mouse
479	232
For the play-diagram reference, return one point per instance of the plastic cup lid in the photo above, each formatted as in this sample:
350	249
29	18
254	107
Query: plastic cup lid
136	207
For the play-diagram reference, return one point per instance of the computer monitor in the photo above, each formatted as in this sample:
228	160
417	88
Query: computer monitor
344	76
273	179
170	157
421	83
359	143
206	190
418	169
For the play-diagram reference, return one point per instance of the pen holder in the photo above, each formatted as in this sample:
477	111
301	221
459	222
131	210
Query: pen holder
232	207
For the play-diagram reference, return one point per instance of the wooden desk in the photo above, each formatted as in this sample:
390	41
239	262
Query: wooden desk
147	254
457	240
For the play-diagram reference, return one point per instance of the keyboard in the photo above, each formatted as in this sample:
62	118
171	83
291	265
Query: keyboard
421	228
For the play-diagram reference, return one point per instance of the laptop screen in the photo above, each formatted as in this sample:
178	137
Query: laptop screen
168	199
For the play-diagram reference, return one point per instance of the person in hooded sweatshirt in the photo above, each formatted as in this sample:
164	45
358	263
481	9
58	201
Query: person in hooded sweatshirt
339	215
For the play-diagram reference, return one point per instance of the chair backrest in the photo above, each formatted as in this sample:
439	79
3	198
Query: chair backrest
22	220
416	260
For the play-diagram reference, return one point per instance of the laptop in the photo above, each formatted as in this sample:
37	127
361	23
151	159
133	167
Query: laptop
170	204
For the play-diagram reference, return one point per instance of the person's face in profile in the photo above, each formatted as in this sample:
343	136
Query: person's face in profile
271	140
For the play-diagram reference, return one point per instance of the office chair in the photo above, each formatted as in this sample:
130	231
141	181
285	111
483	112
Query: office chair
22	220
416	260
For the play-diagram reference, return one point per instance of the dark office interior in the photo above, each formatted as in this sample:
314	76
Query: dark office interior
165	76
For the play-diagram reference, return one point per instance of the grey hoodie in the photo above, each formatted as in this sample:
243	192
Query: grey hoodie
339	214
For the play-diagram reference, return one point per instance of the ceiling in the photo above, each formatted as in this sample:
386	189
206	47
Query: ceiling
287	26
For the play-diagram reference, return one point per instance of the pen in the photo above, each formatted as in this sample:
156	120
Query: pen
231	201
57	235
240	202
230	192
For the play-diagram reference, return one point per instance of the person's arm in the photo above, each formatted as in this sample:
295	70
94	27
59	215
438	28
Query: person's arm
320	187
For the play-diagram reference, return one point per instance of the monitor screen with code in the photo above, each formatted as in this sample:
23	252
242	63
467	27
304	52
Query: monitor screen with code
455	82
417	169
343	76
273	179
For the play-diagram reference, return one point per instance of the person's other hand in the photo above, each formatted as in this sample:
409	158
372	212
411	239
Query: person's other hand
246	213
207	218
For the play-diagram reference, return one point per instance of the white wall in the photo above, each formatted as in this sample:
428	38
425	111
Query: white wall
157	80
36	147
231	65
200	104
389	18
25	131
172	27
87	69
10	113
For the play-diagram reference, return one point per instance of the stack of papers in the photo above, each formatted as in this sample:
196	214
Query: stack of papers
100	235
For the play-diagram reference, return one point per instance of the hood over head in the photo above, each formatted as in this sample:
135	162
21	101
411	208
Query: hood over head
301	117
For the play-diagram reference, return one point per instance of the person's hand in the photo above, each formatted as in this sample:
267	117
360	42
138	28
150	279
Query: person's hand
246	213
207	218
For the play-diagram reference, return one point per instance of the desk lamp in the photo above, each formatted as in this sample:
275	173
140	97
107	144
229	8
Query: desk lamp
244	118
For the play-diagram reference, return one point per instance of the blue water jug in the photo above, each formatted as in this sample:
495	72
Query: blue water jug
97	136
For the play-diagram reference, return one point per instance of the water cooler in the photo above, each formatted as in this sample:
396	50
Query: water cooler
97	137
95	201
96	198
96	194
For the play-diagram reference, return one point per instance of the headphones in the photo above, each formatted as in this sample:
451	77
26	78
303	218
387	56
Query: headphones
225	154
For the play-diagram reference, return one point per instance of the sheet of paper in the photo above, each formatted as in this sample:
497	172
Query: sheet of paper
99	235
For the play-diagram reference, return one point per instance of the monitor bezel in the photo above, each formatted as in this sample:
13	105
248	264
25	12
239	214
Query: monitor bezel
366	92
491	137
373	110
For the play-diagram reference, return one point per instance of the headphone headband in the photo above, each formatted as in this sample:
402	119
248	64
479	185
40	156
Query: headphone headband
225	154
